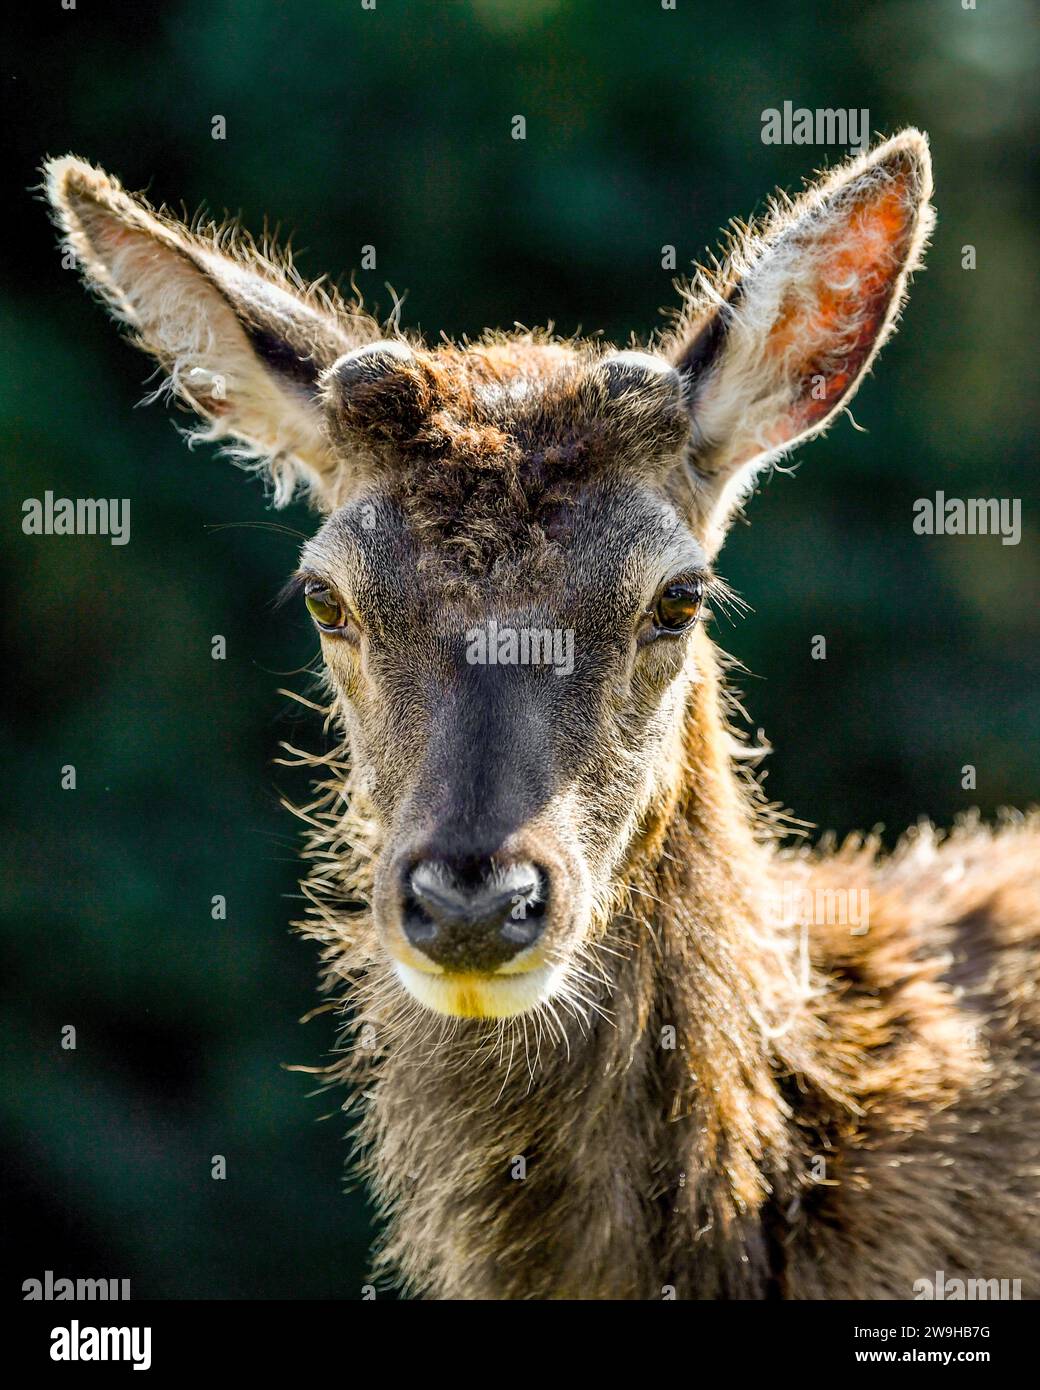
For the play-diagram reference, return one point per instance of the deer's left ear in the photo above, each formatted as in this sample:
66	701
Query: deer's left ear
242	342
780	342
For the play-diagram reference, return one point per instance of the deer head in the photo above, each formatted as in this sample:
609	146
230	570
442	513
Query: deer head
518	537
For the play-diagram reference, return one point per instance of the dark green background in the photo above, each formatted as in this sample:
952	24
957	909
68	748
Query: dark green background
393	128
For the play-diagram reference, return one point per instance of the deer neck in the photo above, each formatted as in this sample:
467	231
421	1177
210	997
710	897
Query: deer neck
591	1163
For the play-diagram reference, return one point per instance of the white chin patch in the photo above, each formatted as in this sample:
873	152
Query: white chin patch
480	996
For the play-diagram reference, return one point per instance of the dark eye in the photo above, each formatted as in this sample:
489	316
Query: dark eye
326	607
677	605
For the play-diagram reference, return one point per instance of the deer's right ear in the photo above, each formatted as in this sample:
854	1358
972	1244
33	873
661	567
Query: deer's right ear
773	347
239	340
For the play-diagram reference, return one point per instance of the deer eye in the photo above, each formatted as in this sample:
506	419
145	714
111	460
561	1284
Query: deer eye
325	607
677	605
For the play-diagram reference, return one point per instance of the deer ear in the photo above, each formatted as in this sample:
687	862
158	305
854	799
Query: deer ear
240	342
771	349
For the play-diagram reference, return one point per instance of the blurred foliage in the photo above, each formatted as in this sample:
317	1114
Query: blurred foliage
392	127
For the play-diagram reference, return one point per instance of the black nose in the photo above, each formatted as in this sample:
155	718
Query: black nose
475	916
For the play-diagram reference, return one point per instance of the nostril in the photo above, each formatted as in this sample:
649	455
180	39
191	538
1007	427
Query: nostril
436	891
528	906
419	925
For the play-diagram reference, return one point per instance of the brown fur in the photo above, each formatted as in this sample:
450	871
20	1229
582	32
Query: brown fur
720	1101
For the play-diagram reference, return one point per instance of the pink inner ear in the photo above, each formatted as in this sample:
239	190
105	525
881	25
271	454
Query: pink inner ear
833	334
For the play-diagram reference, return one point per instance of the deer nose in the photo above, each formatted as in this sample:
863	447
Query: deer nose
474	917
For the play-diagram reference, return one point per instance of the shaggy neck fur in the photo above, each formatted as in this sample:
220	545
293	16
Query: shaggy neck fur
636	1145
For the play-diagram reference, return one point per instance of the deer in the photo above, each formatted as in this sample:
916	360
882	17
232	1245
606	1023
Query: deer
598	1039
